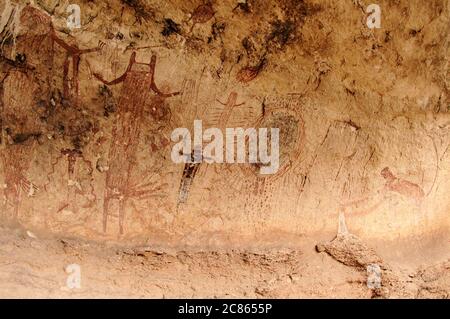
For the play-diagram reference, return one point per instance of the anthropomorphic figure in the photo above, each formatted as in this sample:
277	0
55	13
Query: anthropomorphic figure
138	87
23	90
26	92
191	169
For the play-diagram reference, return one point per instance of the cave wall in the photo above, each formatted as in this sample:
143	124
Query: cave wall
363	116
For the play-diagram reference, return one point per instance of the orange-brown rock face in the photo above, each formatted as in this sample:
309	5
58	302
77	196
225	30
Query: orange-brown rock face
88	113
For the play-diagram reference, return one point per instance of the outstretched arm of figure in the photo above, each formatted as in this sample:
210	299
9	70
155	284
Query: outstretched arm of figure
153	84
120	78
63	44
225	104
157	91
90	50
116	81
98	48
74	49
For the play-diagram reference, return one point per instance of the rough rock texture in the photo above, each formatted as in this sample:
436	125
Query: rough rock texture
349	250
436	281
36	267
364	115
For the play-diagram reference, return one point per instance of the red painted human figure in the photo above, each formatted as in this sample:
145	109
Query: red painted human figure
73	185
191	169
36	42
21	90
138	85
71	86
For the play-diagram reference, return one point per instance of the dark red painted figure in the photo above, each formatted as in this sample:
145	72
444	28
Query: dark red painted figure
138	85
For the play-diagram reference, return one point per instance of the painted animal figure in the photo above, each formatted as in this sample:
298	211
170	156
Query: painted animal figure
400	186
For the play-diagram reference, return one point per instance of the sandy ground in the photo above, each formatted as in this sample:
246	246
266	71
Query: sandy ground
31	267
